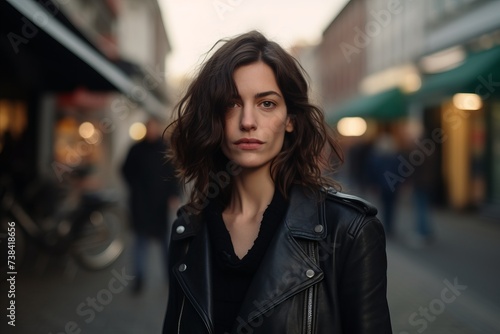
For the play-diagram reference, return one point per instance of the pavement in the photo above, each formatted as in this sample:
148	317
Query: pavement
449	286
56	296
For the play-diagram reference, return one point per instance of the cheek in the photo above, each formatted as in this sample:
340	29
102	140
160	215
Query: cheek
277	133
229	135
277	126
227	129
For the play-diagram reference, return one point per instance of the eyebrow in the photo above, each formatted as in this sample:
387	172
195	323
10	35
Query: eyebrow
263	94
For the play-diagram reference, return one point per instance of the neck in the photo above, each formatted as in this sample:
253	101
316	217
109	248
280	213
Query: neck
252	192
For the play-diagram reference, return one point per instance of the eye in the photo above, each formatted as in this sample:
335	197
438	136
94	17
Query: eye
268	104
233	105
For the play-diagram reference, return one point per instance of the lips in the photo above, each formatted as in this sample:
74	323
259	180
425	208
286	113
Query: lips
248	143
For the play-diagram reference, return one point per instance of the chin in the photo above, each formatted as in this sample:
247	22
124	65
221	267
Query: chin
252	164
250	160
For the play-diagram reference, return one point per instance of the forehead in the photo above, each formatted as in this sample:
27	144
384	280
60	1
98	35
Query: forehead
253	76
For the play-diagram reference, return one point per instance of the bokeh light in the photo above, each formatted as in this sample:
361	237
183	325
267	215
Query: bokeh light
466	101
86	130
352	126
137	131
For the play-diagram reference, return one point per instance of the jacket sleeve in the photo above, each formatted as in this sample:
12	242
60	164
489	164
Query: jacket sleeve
363	283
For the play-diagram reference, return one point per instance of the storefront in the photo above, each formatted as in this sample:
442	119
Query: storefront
493	158
466	98
58	81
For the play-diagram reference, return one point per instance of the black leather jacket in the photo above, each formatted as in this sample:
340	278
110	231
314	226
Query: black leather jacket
324	272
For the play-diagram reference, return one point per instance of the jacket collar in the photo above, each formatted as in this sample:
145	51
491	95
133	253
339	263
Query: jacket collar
303	217
284	271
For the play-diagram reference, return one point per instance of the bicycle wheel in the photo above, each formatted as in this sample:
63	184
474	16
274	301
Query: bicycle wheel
100	240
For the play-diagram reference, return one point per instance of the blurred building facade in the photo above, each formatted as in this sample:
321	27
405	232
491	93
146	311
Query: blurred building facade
79	73
415	57
341	55
307	56
460	70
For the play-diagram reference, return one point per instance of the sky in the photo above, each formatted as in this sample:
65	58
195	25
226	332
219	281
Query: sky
193	26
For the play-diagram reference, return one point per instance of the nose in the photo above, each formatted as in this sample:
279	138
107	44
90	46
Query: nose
248	121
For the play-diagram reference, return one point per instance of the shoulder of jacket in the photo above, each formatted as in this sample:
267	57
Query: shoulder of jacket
352	201
186	224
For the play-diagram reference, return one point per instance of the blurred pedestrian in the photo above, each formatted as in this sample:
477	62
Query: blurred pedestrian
153	190
266	244
359	169
423	180
383	165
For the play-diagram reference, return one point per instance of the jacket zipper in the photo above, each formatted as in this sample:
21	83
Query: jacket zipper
180	315
183	300
309	313
310	297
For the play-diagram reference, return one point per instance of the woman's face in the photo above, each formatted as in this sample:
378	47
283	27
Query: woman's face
256	120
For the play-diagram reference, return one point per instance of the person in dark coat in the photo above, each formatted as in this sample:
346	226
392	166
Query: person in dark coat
383	166
424	180
153	189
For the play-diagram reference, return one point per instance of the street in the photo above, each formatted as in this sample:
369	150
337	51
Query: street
62	298
450	286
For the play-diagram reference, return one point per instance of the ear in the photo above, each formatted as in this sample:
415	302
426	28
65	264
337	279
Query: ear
289	124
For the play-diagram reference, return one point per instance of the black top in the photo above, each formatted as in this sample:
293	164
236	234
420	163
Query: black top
232	276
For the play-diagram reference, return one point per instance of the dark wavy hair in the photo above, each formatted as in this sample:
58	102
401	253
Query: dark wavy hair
197	134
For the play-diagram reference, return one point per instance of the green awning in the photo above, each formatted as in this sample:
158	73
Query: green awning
385	106
479	73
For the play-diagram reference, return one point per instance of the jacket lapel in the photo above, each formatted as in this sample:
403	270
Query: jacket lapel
286	269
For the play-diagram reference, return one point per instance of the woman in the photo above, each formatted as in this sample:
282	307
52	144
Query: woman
265	244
